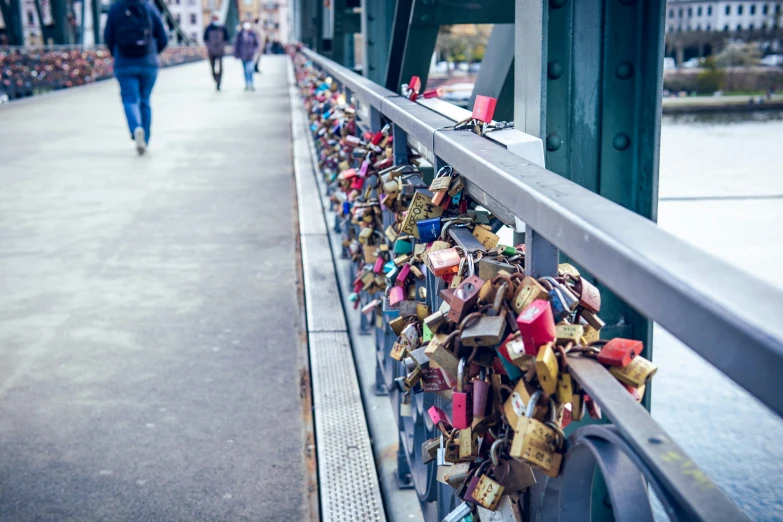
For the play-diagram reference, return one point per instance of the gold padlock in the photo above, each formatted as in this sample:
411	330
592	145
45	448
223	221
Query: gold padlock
534	441
487	493
636	374
565	388
547	369
485	236
529	291
569	333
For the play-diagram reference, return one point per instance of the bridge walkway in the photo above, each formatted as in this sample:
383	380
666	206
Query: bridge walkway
150	330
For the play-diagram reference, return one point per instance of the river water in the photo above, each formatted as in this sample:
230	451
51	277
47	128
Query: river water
721	189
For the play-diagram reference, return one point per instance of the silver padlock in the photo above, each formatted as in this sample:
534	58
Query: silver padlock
458	513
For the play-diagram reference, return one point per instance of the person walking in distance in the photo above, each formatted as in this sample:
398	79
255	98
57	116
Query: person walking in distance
245	49
135	36
216	39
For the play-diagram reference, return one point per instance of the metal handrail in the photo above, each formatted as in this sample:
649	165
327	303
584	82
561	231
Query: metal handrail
724	315
727	316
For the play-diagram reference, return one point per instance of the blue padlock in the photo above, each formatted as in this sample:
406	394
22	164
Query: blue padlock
513	372
559	309
346	207
402	247
389	266
429	229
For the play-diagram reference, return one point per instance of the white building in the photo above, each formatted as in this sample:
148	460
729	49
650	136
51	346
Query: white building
189	15
723	15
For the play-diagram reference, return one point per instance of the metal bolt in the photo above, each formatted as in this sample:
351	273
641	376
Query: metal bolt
621	141
554	70
553	141
556	4
624	70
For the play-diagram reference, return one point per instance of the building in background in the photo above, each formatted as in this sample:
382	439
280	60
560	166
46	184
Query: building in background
695	28
274	20
190	16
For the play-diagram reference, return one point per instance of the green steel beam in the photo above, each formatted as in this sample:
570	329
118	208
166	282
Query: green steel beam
61	30
12	16
345	23
47	31
426	17
402	17
96	21
496	76
590	88
377	18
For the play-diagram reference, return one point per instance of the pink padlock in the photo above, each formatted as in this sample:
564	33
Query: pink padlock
365	167
461	406
378	268
396	295
403	275
357	183
439	416
536	326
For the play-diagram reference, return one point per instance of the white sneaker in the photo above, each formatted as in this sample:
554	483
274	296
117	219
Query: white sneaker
141	144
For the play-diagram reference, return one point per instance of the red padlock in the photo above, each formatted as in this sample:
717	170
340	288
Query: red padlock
536	326
432	93
619	352
480	395
357	183
414	87
465	298
461	406
592	407
377	138
484	108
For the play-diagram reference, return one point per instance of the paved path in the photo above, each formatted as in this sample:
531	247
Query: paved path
149	324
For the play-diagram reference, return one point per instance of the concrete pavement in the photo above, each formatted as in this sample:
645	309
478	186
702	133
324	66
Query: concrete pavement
150	356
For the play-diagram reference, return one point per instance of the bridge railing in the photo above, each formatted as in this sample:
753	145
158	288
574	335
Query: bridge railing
725	315
27	71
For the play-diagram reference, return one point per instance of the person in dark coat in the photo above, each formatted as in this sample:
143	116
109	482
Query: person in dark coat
245	48
216	39
135	36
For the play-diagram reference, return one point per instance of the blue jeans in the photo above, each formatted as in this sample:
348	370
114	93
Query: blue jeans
135	89
249	68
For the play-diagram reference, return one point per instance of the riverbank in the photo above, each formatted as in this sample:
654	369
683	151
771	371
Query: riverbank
699	104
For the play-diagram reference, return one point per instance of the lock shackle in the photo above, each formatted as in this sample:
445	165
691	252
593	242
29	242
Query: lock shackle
563	351
546	284
500	298
446	170
506	388
493	450
450	338
500	279
469	319
531	405
461	375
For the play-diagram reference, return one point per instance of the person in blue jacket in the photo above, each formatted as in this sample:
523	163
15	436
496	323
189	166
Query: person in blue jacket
135	36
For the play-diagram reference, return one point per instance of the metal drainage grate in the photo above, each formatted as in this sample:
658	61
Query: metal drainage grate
346	470
322	297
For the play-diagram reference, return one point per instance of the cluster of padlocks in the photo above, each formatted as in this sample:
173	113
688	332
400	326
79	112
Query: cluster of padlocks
497	349
27	72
